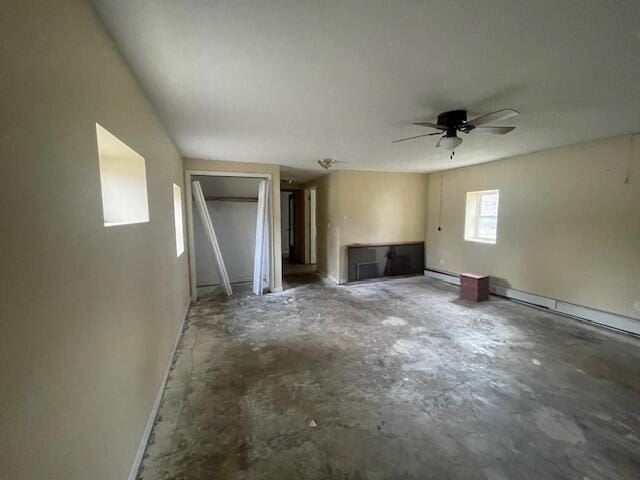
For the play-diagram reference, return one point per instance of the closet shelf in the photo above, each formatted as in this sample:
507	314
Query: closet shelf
231	199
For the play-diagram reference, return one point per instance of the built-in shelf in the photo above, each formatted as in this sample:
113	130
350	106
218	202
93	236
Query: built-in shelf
389	259
231	199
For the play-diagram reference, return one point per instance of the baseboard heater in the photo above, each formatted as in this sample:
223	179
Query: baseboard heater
379	260
606	319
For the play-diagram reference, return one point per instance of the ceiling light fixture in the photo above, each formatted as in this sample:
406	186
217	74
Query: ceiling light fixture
326	163
450	142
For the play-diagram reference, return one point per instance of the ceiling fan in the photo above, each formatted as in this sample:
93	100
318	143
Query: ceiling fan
450	123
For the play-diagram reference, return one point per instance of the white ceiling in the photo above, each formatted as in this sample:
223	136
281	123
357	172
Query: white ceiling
289	82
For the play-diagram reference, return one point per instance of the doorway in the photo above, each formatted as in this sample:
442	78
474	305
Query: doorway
298	216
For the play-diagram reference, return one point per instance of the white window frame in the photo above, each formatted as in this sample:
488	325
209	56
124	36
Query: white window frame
473	217
177	217
123	181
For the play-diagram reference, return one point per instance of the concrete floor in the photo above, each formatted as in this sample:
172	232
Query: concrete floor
290	269
394	380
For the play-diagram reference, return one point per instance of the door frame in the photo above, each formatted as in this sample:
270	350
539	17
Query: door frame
310	227
189	204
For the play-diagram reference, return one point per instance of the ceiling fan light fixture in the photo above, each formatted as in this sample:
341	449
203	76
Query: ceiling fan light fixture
450	142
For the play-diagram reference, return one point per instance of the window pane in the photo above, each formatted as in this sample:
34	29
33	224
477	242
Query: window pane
177	215
481	216
487	227
489	205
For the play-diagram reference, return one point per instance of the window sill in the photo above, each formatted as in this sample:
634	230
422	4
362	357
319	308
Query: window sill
478	240
117	224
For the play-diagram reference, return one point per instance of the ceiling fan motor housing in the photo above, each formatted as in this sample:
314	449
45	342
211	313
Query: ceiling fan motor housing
453	119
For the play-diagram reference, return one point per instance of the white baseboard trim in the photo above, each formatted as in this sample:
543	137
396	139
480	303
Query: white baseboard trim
444	277
276	290
532	298
142	446
605	319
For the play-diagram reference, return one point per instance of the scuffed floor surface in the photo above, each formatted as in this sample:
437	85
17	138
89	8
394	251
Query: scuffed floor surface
394	380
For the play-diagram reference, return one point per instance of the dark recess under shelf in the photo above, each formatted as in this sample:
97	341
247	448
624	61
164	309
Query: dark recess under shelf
367	261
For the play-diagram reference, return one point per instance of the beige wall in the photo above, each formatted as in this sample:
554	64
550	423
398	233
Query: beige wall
243	167
88	314
366	207
380	207
327	231
568	225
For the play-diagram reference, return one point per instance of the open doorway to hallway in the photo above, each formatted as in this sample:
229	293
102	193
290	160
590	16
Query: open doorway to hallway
298	221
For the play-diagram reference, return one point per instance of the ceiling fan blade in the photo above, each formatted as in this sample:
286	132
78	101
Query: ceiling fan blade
493	130
430	125
498	116
417	136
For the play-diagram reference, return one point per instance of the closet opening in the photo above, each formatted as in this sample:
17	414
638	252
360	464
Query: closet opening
230	225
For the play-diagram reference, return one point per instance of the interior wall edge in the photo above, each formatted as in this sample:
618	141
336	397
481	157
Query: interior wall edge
134	75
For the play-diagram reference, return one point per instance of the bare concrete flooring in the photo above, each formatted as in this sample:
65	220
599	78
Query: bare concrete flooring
394	380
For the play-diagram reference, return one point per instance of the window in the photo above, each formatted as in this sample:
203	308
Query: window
177	215
481	222
123	180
